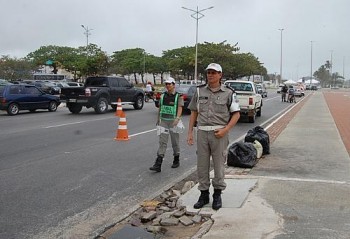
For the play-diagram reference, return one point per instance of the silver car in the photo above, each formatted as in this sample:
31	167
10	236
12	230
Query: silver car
261	90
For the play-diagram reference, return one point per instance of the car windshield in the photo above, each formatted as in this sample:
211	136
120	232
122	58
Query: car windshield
96	81
240	86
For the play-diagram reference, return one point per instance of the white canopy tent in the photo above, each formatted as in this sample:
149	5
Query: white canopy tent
290	82
313	81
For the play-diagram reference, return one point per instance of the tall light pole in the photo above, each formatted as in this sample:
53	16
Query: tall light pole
311	65
281	29
87	33
331	67
197	14
344	67
144	64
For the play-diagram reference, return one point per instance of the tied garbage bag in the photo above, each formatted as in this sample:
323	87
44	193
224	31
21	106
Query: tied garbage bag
258	133
259	148
242	155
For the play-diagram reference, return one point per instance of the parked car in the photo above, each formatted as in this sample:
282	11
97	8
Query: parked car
250	101
101	91
187	92
261	90
4	82
279	89
62	84
313	87
75	84
47	87
299	92
16	97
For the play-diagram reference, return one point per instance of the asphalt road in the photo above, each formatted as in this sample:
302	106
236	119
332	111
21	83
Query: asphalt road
64	174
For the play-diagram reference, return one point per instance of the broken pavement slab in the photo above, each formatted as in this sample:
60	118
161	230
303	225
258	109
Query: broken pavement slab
233	196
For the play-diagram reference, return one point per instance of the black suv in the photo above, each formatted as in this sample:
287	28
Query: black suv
101	91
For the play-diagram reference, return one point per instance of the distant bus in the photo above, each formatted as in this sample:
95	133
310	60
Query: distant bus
48	77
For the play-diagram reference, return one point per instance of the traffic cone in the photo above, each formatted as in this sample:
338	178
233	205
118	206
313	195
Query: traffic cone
119	110
122	132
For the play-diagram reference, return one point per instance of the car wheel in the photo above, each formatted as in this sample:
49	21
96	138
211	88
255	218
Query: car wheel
101	106
52	106
138	103
75	108
259	112
13	109
251	119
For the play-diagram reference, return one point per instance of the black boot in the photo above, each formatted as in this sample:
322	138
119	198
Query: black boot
217	203
176	162
203	199
157	165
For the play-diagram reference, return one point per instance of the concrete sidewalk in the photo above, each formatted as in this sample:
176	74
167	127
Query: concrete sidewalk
300	190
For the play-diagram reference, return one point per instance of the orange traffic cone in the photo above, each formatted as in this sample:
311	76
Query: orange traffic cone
119	110
122	132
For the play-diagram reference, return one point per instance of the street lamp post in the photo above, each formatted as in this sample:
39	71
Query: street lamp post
331	68
343	67
87	34
197	14
281	29
144	65
311	65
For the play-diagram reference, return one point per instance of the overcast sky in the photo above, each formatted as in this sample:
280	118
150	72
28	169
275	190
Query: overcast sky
157	25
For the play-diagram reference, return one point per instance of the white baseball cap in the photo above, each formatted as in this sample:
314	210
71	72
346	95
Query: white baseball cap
214	66
170	80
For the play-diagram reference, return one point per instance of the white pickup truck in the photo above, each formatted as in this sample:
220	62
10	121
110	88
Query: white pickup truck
250	101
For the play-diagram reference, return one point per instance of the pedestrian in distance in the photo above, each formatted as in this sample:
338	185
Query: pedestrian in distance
291	96
215	110
169	118
284	93
149	91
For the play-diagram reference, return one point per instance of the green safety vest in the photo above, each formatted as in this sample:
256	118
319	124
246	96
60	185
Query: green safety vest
168	112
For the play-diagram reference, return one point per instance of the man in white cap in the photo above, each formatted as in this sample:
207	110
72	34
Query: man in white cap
216	110
169	115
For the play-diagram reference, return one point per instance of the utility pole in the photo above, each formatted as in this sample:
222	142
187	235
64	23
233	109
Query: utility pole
281	29
311	65
197	15
87	33
331	68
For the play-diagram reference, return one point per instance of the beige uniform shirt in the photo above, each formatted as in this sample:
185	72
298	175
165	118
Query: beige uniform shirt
214	108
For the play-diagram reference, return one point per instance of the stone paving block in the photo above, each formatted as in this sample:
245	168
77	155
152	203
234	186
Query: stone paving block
186	221
197	218
206	211
169	221
149	216
233	196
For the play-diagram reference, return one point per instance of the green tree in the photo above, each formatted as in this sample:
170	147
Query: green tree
155	65
323	75
88	60
129	61
15	69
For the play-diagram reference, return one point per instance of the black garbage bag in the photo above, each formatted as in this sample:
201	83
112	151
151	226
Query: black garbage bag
258	133
242	155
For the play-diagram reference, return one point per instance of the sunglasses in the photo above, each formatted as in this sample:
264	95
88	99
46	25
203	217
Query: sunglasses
211	72
168	83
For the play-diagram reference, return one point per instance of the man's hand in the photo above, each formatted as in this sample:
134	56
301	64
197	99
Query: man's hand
190	140
176	121
219	133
